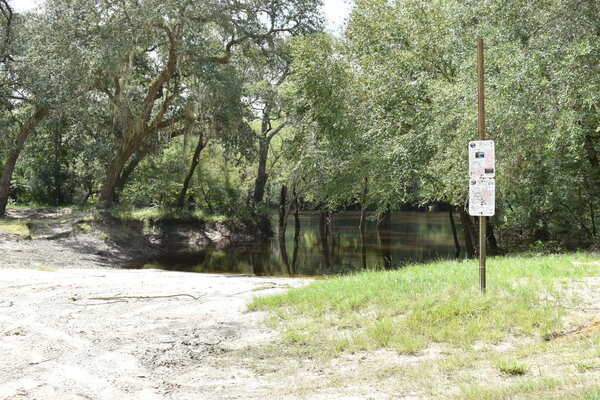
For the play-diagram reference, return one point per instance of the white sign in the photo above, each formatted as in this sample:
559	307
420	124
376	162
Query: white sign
482	196
482	159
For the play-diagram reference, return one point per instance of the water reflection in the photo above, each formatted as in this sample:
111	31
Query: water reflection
326	244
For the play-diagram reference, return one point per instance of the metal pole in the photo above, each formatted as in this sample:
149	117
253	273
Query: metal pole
481	129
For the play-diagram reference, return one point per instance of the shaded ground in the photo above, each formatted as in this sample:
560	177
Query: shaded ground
63	238
69	238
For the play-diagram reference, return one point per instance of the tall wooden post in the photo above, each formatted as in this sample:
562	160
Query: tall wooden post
481	129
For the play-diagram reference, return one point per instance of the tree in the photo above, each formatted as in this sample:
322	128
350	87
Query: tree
266	73
139	54
23	94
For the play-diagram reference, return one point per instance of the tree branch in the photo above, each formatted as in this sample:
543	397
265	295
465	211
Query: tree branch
7	13
277	130
163	77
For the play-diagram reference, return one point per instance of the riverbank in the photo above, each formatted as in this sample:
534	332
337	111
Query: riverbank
72	238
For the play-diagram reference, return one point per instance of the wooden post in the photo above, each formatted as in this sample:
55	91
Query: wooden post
481	129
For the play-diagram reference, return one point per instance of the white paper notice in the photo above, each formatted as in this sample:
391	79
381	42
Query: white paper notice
482	159
482	196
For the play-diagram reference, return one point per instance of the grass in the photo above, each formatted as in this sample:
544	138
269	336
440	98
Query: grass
511	367
14	228
156	213
409	309
136	214
592	394
427	332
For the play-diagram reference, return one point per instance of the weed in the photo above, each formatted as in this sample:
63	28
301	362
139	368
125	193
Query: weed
14	228
587	365
592	394
511	367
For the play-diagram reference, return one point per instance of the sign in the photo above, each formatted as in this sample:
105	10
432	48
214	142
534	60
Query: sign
482	159
482	196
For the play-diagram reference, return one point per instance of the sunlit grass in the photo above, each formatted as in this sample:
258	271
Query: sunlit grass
14	228
156	213
511	367
409	309
492	392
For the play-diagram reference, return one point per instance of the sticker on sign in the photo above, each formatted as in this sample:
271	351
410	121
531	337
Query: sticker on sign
482	159
482	197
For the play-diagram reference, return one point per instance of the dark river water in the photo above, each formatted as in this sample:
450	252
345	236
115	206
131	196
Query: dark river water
319	250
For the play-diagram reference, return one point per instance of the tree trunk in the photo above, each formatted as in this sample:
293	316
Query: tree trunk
114	172
283	226
493	248
468	232
284	253
296	234
58	198
593	218
454	234
259	260
385	220
592	154
9	166
283	209
362	226
324	239
188	178
127	172
330	230
363	252
384	226
261	176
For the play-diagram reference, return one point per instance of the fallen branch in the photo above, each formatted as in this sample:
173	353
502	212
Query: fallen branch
265	287
145	297
100	304
43	361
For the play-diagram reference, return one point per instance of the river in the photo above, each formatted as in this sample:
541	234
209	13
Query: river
409	237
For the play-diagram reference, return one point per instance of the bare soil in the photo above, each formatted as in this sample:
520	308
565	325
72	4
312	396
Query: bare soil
74	327
128	334
65	238
150	334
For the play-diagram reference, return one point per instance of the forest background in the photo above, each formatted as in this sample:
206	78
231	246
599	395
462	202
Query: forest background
233	107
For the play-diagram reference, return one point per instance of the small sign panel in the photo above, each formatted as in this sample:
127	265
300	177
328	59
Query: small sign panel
482	197
482	159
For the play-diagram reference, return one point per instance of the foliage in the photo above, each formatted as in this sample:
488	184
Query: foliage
394	101
378	117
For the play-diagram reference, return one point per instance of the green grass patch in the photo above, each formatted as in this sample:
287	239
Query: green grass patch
588	365
156	213
14	228
592	394
491	392
408	309
511	367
